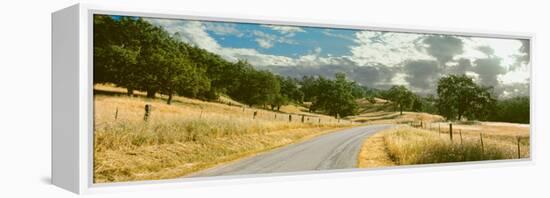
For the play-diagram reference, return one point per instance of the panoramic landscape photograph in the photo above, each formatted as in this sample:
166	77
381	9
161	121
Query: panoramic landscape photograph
176	99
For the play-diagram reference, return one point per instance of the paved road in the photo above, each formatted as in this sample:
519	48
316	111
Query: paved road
335	150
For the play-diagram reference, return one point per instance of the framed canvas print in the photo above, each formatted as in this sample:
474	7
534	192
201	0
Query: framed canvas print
146	98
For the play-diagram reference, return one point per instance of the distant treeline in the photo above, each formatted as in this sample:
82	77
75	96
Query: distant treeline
458	98
132	53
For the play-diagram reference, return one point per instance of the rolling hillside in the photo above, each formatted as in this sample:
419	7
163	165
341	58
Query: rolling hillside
381	111
188	135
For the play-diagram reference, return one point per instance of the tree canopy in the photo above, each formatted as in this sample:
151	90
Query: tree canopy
334	97
512	110
401	97
459	96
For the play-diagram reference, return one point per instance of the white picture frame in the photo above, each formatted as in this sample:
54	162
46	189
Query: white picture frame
72	101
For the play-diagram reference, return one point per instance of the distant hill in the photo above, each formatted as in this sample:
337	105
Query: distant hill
382	111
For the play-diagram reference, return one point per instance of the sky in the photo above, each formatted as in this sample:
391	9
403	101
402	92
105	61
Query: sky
372	58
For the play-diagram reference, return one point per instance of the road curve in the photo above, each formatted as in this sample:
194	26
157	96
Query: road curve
336	150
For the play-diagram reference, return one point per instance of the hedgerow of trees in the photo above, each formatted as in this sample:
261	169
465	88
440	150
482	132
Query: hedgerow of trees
515	110
132	53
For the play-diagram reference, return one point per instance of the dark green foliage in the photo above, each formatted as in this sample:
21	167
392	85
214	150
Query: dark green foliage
417	105
460	96
115	55
310	88
512	110
257	88
334	97
357	91
130	52
401	97
290	90
278	101
429	104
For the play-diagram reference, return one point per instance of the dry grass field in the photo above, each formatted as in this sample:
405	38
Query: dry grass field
188	135
405	145
382	112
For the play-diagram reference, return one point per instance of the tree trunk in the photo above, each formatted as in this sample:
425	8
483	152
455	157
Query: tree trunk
130	92
169	101
401	109
151	94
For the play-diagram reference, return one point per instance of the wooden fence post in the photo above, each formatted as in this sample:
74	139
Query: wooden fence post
460	132
482	149
148	109
116	114
451	131
254	115
289	118
302	118
519	151
275	116
319	120
439	128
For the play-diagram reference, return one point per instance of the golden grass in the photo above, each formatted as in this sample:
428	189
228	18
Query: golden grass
187	136
406	145
489	128
382	112
390	117
373	153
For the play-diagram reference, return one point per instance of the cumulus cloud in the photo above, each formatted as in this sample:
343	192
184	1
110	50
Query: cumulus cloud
507	50
195	33
461	66
377	76
288	31
223	29
488	70
421	74
487	50
443	47
332	33
522	59
512	90
192	32
266	40
386	48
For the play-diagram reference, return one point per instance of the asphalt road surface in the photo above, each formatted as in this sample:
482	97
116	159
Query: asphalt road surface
336	150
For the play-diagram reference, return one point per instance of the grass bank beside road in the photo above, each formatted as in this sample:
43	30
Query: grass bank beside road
405	145
187	136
